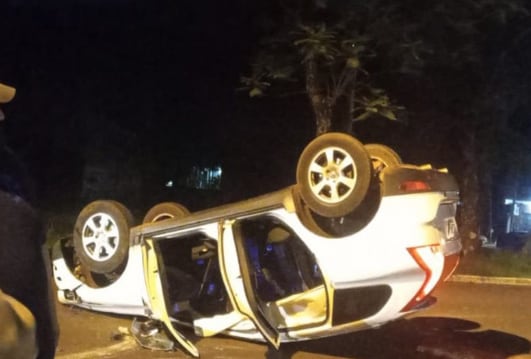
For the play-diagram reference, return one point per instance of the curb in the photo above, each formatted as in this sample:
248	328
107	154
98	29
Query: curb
462	278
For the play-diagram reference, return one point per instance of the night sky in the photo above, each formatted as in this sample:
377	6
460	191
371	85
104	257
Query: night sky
154	80
143	65
154	83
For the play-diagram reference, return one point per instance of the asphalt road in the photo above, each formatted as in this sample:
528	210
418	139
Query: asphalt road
469	321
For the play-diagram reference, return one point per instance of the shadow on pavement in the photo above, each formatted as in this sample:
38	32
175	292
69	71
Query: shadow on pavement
417	338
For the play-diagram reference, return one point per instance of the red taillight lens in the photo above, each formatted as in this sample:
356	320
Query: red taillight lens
450	265
414	186
431	260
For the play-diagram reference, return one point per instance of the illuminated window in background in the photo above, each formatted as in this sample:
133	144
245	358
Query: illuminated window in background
198	177
518	215
204	177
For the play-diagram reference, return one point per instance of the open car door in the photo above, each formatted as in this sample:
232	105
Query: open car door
236	272
156	296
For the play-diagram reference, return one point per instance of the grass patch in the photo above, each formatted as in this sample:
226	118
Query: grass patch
496	263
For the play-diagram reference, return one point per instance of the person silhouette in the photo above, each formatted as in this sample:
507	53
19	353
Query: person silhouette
25	298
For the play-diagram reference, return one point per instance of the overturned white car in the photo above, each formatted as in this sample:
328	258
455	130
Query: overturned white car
361	239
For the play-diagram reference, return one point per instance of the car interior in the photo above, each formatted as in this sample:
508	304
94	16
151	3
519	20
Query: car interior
191	277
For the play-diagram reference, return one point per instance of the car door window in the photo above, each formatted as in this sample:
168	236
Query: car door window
190	273
285	276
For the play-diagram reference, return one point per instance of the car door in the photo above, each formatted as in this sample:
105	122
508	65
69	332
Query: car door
236	273
156	295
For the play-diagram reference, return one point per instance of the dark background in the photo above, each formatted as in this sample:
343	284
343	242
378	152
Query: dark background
144	90
149	86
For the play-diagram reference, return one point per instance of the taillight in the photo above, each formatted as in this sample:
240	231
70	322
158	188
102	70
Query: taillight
450	265
414	186
431	260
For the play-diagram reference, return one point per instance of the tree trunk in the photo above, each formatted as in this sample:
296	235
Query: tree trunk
318	98
343	113
469	218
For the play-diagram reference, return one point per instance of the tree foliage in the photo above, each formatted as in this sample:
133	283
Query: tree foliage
328	49
452	59
347	50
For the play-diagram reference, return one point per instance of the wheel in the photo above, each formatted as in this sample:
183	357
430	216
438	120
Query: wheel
165	210
101	236
382	156
80	271
344	225
333	174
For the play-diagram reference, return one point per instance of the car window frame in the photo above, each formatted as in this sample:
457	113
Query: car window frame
237	279
154	286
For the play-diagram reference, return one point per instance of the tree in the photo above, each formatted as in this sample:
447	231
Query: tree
325	49
347	53
479	88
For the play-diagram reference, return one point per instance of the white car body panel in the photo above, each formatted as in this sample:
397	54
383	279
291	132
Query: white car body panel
125	296
376	256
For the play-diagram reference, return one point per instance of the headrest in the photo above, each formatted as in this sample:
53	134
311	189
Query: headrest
277	235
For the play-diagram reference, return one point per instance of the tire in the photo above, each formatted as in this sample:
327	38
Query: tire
307	216
382	156
110	254
346	225
334	173
165	210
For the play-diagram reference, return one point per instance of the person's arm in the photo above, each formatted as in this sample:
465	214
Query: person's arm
17	329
